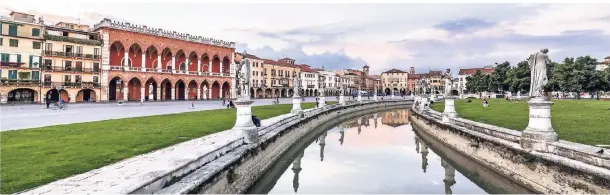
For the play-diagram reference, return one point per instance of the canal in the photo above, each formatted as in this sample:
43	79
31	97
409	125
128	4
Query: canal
379	153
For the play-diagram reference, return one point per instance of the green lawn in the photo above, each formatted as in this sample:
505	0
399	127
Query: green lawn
582	121
37	156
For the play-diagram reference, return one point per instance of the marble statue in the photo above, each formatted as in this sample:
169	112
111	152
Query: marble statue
242	79
537	63
296	86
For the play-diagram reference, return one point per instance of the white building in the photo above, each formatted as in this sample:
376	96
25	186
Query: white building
464	73
330	84
309	81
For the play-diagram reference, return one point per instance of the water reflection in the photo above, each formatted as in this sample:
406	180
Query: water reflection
376	161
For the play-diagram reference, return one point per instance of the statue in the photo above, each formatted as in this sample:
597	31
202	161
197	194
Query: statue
296	85
537	63
242	79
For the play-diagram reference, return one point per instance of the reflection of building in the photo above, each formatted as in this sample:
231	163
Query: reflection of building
449	176
296	168
395	118
72	63
20	49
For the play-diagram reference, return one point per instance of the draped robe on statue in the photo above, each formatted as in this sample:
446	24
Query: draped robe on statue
537	63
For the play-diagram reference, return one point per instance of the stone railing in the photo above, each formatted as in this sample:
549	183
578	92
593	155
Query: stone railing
585	163
183	167
162	33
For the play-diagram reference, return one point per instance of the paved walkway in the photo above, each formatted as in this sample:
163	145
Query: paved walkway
31	116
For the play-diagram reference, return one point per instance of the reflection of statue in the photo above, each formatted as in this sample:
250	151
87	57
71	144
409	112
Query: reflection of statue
449	176
342	132
322	144
416	144
537	63
424	156
242	79
296	168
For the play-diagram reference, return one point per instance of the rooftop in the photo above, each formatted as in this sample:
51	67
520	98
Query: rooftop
394	70
108	23
471	71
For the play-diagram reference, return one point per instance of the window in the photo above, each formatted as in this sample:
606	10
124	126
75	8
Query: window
79	66
36	45
1	41
48	46
67	78
12	30
96	67
67	65
47	78
4	57
64	33
13	42
78	78
35	32
96	79
12	74
79	49
35	75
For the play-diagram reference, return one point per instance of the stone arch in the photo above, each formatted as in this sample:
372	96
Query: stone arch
22	95
86	95
205	89
152	55
134	87
290	93
268	93
215	90
166	59
226	63
315	92
115	88
284	93
276	93
216	64
205	62
192	65
63	94
180	89
54	95
192	90
135	55
150	89
117	53
259	93
226	89
252	92
180	61
166	89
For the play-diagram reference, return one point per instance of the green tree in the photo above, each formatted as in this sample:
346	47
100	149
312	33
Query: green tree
518	78
569	76
499	77
477	83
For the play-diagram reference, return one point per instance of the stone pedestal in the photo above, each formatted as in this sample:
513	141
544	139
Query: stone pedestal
296	104
359	99
342	100
321	101
392	97
539	131
243	123
374	97
449	109
424	104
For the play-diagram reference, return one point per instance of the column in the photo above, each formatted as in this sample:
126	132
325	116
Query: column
173	66
142	89
159	94
210	67
198	67
209	93
151	97
126	60
221	67
158	65
186	67
173	93
449	111
186	93
198	93
125	92
144	62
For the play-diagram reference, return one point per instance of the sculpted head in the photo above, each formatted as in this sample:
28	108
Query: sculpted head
545	50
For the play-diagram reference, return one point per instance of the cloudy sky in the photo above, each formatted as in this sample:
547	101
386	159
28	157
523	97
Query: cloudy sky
383	35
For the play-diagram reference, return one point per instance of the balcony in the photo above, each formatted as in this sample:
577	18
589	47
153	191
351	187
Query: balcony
72	40
72	55
311	86
70	69
22	82
11	64
168	71
71	84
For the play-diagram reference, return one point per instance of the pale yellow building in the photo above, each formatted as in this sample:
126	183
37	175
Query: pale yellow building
258	81
20	58
394	82
279	77
71	63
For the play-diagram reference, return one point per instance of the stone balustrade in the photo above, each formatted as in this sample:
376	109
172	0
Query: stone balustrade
186	166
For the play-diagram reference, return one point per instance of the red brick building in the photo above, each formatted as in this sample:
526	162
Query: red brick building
141	62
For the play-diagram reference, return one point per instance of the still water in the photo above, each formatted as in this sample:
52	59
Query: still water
377	153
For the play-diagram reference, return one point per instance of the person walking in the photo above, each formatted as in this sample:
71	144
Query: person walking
48	100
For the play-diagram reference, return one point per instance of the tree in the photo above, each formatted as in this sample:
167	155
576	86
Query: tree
477	83
518	78
568	77
499	77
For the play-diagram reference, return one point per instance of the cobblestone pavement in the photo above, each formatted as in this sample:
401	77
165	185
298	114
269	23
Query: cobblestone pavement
30	116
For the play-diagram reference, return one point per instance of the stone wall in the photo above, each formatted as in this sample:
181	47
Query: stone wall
236	171
567	168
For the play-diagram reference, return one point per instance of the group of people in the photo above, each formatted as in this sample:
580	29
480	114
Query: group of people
229	105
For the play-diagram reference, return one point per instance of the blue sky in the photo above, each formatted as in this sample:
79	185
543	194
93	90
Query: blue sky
385	36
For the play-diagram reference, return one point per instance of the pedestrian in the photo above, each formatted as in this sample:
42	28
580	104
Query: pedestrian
223	102
48	100
317	104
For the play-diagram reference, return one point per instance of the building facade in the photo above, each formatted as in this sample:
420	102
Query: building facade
394	82
467	72
20	58
329	81
604	64
258	81
280	75
71	63
141	63
309	81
